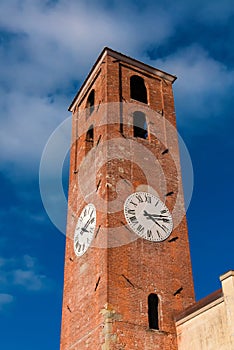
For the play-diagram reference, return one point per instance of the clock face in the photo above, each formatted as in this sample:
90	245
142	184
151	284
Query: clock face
148	216
84	231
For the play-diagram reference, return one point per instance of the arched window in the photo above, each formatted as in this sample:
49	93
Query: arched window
137	89
140	128
90	103
153	311
89	139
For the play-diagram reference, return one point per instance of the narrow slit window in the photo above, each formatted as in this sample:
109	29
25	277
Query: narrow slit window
90	103
138	89
153	311
89	139
140	128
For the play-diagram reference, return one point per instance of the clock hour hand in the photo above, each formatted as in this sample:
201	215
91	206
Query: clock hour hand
149	216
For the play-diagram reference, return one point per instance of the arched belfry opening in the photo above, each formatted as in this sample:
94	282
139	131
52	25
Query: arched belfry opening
138	89
153	303
90	103
140	127
116	127
89	139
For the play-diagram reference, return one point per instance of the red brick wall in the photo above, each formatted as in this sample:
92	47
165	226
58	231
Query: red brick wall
114	316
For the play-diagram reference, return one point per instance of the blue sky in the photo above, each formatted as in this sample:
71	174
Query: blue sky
46	50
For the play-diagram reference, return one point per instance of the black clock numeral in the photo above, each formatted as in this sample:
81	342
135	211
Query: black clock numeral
147	198
133	219
140	228
159	235
156	203
166	220
163	211
149	234
92	220
131	211
135	205
78	247
139	198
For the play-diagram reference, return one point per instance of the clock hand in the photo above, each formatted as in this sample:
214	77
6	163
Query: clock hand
87	224
149	216
163	219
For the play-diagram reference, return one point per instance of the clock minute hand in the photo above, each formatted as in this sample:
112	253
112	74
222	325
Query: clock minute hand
149	216
87	224
159	215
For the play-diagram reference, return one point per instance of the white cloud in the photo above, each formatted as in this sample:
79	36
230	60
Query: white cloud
24	273
5	299
2	262
27	126
55	43
203	83
29	276
29	279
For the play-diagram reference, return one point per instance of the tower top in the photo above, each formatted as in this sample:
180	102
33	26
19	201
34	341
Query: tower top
119	57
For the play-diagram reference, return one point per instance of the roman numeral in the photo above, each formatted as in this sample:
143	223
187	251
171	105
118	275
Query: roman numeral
133	219
139	198
135	205
147	198
159	235
149	234
131	211
140	228
80	247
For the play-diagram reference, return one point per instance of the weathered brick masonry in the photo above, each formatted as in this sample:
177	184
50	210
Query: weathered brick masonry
105	300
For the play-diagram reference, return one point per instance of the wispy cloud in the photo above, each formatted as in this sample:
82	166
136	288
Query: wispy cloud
203	85
24	273
5	299
49	45
29	277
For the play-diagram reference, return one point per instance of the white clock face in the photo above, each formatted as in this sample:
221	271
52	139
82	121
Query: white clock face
148	216
84	231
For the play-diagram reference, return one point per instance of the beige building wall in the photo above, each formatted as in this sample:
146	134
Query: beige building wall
209	324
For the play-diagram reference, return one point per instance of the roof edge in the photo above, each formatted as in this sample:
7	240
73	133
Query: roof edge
200	304
118	55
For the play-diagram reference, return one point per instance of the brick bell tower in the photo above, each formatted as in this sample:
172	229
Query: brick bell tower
127	261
